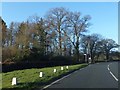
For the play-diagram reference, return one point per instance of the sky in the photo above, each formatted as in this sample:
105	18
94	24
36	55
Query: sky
104	14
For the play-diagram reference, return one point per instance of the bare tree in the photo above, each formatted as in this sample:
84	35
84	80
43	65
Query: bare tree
10	33
76	25
55	19
91	45
107	45
4	31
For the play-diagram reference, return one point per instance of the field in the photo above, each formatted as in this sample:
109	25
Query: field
29	78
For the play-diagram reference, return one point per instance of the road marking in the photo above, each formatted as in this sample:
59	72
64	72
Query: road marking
108	67
75	72
60	79
81	69
55	82
113	76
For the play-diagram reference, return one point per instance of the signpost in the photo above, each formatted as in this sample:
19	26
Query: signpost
85	55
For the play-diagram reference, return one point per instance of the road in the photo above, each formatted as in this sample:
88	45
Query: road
99	75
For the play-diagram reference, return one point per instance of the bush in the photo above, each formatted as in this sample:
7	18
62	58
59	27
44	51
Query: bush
61	58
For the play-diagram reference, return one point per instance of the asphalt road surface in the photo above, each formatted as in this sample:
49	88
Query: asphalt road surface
99	75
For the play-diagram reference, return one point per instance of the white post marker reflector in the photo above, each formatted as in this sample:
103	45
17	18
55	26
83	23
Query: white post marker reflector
41	74
61	68
55	70
67	67
14	81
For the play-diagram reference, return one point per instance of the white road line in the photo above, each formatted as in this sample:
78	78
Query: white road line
81	69
55	81
60	79
113	76
108	67
75	72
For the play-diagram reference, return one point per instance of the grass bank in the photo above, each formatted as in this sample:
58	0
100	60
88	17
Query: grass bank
29	79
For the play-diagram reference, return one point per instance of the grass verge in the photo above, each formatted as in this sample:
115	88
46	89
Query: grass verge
29	79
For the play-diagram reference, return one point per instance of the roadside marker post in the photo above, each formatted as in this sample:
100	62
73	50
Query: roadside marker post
66	67
62	68
41	74
14	81
89	60
55	70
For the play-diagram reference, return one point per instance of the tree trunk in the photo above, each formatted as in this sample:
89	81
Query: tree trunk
107	55
77	55
60	44
77	51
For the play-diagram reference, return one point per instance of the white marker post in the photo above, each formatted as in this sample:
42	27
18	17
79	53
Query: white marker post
89	60
14	81
66	67
41	74
55	70
61	68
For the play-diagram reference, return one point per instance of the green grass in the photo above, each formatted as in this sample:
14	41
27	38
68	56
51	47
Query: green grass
29	78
